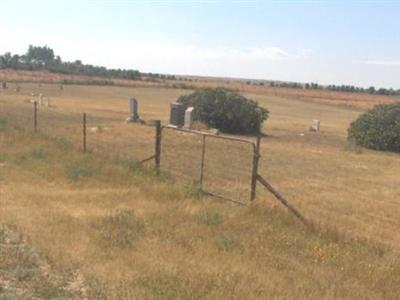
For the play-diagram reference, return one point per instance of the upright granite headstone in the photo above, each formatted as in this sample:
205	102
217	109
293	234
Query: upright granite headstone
133	105
177	115
188	118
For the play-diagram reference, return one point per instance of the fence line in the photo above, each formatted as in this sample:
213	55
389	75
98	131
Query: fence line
222	166
217	164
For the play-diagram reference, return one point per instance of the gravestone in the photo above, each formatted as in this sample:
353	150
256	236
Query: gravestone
46	102
40	99
4	85
315	125
134	116
188	118
214	131
177	115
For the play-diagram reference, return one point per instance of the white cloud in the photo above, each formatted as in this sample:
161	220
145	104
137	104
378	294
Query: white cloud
161	53
383	62
173	57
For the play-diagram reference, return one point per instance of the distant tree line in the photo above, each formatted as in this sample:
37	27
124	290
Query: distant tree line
342	88
43	58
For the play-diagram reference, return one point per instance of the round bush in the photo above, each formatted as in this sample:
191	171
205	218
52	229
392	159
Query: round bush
228	111
378	128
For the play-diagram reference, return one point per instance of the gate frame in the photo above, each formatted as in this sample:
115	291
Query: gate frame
255	147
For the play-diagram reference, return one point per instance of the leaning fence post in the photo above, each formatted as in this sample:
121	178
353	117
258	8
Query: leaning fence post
256	158
203	153
35	115
157	157
84	132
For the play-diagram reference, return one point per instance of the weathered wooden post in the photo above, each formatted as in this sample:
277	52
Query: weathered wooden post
84	132
157	157
283	200
203	154
256	158
35	116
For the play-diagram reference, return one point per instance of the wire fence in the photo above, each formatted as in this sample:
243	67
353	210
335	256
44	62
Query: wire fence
219	165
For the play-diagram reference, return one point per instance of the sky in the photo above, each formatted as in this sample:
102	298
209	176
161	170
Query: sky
327	42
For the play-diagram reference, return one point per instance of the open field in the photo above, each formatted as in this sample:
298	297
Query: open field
180	245
341	99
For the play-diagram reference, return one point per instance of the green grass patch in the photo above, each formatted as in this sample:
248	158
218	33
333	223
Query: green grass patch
210	217
227	243
36	154
132	165
194	191
3	123
79	170
39	154
50	290
121	229
3	157
62	143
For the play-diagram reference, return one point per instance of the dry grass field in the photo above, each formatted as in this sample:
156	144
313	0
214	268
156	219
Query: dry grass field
117	231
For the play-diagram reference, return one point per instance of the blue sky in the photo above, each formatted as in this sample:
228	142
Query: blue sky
338	42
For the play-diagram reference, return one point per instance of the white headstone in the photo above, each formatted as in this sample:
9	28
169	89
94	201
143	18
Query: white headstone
214	131
315	125
188	118
40	99
46	102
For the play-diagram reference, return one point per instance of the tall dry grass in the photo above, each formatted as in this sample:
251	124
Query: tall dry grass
134	235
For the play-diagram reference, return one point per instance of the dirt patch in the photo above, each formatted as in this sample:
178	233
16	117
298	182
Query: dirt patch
25	274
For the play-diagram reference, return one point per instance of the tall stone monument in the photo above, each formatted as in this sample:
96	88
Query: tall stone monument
134	116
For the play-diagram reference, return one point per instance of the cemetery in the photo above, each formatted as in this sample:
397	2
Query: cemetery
188	206
199	150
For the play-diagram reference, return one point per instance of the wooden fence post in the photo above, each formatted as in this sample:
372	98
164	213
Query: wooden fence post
35	116
158	145
256	158
203	154
84	132
282	199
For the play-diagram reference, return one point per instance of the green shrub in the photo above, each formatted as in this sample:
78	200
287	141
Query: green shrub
378	128
122	228
230	112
